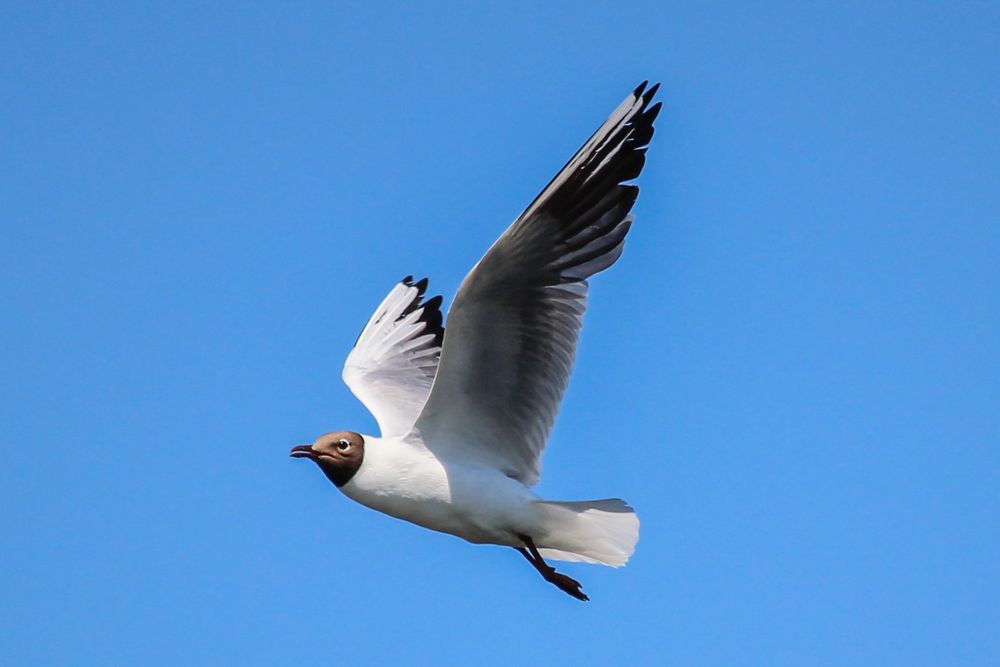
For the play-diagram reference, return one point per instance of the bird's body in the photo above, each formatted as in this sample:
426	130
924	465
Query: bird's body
402	478
465	413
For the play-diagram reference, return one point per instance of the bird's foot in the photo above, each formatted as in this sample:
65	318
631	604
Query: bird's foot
561	581
565	583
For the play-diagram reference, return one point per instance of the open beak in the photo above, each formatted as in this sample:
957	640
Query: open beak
303	452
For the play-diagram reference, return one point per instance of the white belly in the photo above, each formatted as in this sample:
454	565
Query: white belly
476	503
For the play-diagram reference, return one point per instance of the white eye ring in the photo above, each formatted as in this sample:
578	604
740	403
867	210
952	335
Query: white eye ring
343	445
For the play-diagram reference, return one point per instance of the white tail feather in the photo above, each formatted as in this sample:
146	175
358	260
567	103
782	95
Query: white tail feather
591	531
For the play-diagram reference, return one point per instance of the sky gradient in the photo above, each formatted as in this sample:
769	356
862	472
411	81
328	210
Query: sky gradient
792	373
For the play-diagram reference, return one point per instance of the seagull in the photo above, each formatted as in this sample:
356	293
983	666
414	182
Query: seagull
464	413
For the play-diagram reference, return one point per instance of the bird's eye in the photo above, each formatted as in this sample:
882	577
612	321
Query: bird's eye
343	445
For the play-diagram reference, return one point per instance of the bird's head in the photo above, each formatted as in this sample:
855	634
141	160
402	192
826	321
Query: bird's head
338	454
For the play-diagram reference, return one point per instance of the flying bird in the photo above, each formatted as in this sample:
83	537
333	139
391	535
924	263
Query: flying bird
465	411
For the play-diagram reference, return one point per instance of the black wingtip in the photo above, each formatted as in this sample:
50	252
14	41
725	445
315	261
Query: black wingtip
421	284
431	316
638	89
650	93
434	319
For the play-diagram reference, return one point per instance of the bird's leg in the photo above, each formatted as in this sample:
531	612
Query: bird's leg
563	582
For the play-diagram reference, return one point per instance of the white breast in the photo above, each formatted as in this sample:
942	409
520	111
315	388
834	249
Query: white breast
480	504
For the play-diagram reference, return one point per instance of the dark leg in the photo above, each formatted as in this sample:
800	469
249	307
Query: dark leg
564	583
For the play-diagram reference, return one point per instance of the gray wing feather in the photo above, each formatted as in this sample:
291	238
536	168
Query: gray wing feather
513	328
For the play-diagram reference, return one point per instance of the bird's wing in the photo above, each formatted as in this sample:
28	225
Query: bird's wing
514	325
394	360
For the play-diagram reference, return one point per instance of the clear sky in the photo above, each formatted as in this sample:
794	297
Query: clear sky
793	374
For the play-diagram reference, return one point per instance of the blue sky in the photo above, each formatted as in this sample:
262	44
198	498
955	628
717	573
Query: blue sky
792	374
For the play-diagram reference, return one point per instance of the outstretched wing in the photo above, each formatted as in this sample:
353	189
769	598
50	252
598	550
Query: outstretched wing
394	360
514	325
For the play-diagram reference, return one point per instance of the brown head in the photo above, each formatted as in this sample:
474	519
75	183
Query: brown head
338	454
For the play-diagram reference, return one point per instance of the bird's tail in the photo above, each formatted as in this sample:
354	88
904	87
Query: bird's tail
592	531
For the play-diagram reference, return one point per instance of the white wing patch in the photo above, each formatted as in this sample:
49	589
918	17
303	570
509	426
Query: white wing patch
394	361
